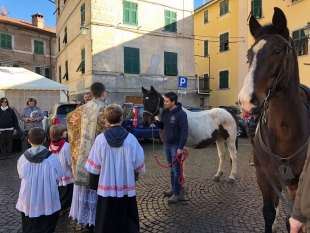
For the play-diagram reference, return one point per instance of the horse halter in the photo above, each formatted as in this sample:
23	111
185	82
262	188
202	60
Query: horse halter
157	109
279	76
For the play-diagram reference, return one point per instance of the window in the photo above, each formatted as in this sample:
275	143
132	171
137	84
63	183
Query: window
131	60
202	102
205	48
65	1
224	79
224	7
204	83
82	13
66	75
81	67
38	47
6	41
44	71
59	73
58	43
58	7
171	64
130	14
65	36
170	21
301	42
224	42
205	17
256	8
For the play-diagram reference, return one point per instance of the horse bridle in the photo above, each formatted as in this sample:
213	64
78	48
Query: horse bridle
279	76
157	109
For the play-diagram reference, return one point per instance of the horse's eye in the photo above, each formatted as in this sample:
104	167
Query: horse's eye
277	51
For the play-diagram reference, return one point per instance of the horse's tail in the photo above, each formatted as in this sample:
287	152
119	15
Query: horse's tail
237	122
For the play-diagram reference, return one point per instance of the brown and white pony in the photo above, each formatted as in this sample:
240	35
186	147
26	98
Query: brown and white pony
204	128
271	89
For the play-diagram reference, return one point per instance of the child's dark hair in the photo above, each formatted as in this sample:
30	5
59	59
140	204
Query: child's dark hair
56	132
36	135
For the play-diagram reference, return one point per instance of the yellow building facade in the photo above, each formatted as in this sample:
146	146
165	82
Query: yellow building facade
297	15
220	48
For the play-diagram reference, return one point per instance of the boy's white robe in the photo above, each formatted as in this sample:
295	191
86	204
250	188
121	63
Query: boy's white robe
116	166
39	193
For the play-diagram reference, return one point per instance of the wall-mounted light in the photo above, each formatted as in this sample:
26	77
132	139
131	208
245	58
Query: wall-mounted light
307	29
84	29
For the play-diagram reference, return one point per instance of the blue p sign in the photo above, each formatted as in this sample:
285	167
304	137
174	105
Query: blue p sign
182	81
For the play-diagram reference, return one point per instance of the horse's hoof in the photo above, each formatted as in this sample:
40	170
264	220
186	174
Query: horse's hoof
230	181
216	178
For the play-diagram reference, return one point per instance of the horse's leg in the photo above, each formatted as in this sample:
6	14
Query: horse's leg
231	145
220	144
269	200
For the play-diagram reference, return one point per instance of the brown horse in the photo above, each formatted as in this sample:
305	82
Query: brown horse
271	89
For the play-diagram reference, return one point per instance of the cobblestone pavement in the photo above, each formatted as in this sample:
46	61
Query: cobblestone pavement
208	206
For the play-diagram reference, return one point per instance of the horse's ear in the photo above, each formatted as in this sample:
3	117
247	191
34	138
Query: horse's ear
153	89
254	25
144	90
279	22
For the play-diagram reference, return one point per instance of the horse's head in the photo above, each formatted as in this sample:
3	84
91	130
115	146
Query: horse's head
270	62
152	105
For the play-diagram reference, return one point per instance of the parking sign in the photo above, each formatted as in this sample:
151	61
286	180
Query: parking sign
182	81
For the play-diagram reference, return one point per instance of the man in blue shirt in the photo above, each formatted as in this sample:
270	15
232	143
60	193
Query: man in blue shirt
175	132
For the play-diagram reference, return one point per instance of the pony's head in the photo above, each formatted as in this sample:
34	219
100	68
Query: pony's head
151	103
271	62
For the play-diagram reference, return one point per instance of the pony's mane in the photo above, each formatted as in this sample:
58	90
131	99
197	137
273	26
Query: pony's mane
269	29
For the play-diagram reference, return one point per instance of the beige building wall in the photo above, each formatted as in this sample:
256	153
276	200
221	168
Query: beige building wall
108	35
297	15
233	60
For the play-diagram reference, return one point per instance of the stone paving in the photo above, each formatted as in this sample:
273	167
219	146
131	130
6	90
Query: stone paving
207	206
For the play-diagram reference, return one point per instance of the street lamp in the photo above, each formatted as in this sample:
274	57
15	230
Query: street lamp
83	29
307	29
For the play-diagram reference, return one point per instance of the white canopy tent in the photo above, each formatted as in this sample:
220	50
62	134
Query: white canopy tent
18	84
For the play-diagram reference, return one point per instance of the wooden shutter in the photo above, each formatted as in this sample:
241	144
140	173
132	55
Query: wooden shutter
47	72
170	21
221	8
226	4
126	14
67	73
224	79
41	47
82	13
257	8
206	43
205	17
131	60
59	73
206	82
173	21
38	70
3	41
36	48
171	63
133	13
8	42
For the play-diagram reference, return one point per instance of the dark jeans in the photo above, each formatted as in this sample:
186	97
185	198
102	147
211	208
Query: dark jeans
29	146
6	142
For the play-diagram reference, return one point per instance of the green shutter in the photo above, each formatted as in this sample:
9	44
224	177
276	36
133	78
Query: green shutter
38	70
82	13
38	47
224	79
126	16
131	60
9	42
170	21
257	8
58	43
47	72
221	8
6	41
134	13
130	13
59	73
206	43
205	17
171	64
3	41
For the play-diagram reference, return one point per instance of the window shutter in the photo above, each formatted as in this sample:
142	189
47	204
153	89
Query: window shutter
206	43
171	63
126	8
36	48
47	73
59	73
224	79
82	13
167	20
58	43
3	41
38	70
221	8
221	42
205	14
41	47
58	7
173	21
134	13
226	4
206	85
257	8
131	60
8	41
83	60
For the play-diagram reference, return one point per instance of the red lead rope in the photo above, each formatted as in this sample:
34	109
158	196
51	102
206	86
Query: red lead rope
180	160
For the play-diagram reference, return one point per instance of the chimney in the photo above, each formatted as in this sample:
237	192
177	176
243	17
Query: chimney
38	20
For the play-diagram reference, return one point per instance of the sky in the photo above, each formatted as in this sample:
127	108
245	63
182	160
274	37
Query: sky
23	9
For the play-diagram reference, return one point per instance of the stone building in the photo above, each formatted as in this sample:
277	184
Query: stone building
30	45
126	45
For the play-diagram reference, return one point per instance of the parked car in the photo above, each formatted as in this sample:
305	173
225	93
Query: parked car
243	120
20	134
132	122
58	114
